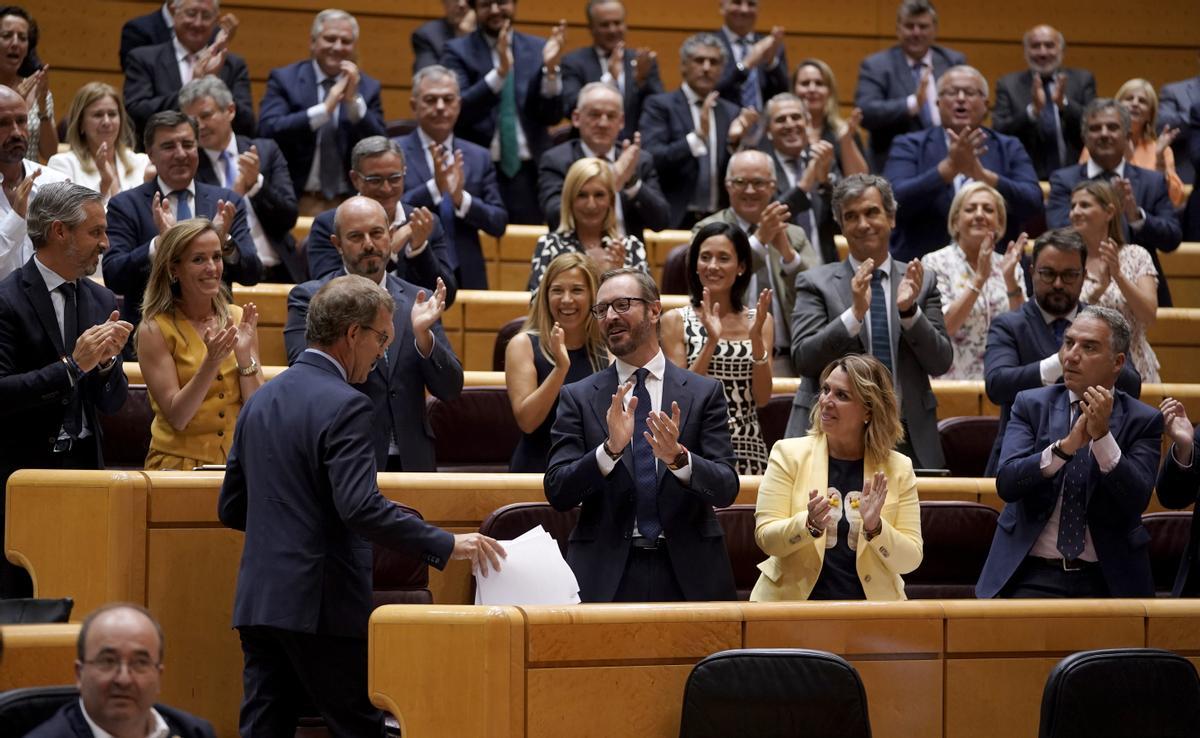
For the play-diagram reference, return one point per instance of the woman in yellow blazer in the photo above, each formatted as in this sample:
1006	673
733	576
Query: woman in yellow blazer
825	538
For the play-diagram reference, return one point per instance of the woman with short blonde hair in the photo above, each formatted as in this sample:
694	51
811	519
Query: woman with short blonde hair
101	139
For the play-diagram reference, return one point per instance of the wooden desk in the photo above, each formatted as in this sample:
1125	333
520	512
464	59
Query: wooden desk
37	655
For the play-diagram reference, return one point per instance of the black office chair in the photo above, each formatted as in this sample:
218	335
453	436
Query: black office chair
1119	692
22	710
26	610
774	693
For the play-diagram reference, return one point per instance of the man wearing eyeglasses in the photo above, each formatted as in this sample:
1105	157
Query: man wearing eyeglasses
420	251
643	446
118	670
1023	345
929	167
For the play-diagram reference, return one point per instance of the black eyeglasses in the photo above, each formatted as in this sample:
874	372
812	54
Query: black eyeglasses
107	664
1048	276
383	336
395	180
621	305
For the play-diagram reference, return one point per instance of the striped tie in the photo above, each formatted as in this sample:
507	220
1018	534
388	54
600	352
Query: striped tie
881	339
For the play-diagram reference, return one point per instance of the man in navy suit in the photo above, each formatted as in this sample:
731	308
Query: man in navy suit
1178	486
137	217
632	72
928	167
429	39
155	74
1023	345
1179	107
420	251
1043	104
420	359
451	176
757	68
118	670
316	109
60	346
155	27
644	448
599	117
304	584
1150	219
897	87
1077	469
511	92
692	132
254	169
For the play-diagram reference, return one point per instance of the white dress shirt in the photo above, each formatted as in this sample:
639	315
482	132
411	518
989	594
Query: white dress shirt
431	183
15	246
159	729
266	252
317	117
53	281
549	88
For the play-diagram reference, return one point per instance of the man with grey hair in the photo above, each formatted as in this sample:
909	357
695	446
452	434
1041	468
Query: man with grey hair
1149	218
929	167
21	178
419	251
873	304
451	176
60	346
1077	468
304	585
1043	104
155	74
317	108
254	169
692	132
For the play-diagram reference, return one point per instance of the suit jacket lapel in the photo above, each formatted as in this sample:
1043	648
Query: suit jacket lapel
897	276
170	65
401	322
415	157
1060	413
1042	334
841	288
903	70
306	78
39	298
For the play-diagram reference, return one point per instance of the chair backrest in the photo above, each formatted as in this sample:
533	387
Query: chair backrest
967	443
773	418
125	435
22	710
744	554
1169	533
957	537
485	416
24	610
1121	692
503	336
674	275
399	578
774	693
512	520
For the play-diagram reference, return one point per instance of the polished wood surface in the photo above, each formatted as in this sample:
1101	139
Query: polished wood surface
37	655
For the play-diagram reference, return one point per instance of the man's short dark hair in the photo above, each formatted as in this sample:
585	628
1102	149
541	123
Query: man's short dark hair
911	8
81	641
1100	105
587	9
646	284
166	119
855	186
1063	239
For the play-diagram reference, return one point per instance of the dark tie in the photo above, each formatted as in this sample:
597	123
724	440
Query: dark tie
751	91
1072	518
881	339
510	155
645	475
805	218
73	419
1107	175
447	216
922	100
330	159
702	198
1059	326
183	208
1049	126
230	173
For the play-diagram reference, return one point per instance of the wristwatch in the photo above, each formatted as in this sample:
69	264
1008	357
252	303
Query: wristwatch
611	455
680	460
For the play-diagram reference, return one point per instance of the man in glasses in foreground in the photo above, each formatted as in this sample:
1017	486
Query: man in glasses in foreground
118	670
644	447
1022	345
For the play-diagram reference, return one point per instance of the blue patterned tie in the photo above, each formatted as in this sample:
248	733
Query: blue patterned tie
751	90
1059	326
1049	126
183	209
1072	517
645	475
881	339
227	164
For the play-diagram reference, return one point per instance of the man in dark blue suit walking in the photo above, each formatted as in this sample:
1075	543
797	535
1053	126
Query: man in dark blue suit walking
1150	219
301	482
511	92
644	447
420	359
451	176
137	217
1077	469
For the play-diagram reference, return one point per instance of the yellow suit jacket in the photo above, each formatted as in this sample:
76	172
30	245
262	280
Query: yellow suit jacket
798	465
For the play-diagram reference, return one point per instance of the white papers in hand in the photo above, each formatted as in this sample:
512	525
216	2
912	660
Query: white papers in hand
534	573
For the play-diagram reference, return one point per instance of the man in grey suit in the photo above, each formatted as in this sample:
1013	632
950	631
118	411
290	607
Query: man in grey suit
781	250
1043	104
872	304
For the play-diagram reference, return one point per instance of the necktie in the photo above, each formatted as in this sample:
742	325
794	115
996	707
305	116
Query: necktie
805	218
510	156
186	70
702	198
645	475
447	215
183	207
751	96
330	159
227	164
881	339
1049	126
1107	175
1059	326
73	419
922	100
1072	518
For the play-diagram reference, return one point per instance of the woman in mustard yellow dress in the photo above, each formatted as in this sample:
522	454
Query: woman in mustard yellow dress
198	352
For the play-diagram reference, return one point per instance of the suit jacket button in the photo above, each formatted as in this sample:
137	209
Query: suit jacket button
392	394
221	414
867	578
220	377
883	551
221	396
66	400
220	433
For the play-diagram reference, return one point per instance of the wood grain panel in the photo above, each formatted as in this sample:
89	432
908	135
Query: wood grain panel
639	634
995	698
40	655
601	702
904	698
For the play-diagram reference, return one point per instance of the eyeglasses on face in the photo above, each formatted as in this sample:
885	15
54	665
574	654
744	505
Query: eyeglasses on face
968	92
395	180
1069	276
621	305
742	183
383	336
110	664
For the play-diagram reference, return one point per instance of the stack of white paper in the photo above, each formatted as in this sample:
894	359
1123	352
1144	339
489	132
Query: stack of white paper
534	573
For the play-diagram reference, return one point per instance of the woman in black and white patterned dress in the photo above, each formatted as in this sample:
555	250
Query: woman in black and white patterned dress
719	335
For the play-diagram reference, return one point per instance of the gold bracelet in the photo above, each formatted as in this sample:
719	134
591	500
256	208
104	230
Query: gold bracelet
251	370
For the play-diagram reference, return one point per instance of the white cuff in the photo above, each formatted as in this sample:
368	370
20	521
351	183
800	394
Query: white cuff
317	116
853	324
1107	452
698	147
1050	369
461	210
606	462
494	81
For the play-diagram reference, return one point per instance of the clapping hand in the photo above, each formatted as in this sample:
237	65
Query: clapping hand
1012	257
710	316
745	121
558	347
818	510
101	342
663	434
1179	429
164	216
710	101
222	220
555	45
643	62
910	286
1096	404
20	196
219	343
860	288
1125	194
243	348
870	501
110	183
426	312
761	310
212	57
1161	144
983	263
850	128
626	164
249	167
619	418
